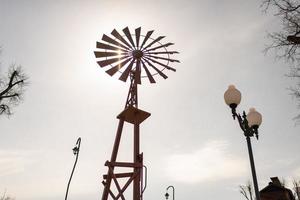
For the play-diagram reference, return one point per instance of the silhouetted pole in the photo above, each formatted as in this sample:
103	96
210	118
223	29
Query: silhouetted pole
167	194
248	123
76	153
253	168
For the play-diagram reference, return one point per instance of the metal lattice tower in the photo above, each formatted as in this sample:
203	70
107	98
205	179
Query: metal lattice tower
136	56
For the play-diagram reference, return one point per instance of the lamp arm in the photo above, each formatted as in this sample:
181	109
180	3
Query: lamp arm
243	122
78	143
240	119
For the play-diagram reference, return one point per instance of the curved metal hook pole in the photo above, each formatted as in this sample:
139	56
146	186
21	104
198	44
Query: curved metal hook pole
75	152
167	195
146	176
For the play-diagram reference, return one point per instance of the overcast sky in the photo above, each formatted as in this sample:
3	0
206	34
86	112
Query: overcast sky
190	141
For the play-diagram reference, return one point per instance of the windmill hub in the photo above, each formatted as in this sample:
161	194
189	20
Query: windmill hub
137	54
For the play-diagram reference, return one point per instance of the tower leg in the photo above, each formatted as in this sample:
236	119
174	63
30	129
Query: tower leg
137	159
135	116
113	159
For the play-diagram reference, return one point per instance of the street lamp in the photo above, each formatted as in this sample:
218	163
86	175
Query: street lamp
167	194
249	124
76	153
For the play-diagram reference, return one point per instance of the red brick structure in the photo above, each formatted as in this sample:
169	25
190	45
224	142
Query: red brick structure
276	191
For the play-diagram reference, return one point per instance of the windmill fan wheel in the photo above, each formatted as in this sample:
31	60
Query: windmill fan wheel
135	54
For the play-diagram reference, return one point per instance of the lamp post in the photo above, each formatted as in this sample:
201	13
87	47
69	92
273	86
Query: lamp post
76	153
167	194
248	123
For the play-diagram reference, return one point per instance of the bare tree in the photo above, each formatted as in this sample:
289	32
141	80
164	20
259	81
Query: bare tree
296	188
295	92
247	190
286	42
5	197
11	89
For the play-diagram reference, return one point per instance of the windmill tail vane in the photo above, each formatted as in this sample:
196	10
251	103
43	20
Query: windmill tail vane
134	56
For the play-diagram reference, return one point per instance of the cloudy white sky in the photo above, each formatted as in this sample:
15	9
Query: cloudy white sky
190	141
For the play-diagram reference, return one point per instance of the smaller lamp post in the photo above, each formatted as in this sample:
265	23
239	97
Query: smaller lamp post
76	153
248	123
167	194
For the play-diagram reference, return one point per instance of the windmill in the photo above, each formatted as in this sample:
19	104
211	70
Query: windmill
134	56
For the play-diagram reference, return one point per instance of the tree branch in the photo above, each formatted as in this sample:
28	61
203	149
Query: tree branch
11	94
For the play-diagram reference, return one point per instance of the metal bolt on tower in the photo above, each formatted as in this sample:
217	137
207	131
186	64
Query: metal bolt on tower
135	56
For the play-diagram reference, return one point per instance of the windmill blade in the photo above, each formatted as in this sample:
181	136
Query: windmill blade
104	63
154	41
137	36
119	37
128	35
100	54
134	55
161	46
162	52
125	74
149	75
116	68
112	41
149	33
161	64
162	58
157	70
108	47
138	72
